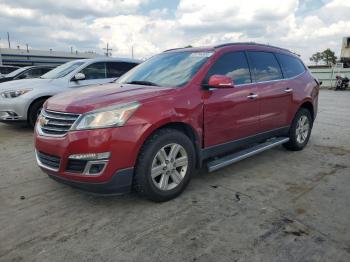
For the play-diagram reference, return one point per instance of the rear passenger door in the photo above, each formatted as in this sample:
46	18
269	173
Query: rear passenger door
230	114
274	98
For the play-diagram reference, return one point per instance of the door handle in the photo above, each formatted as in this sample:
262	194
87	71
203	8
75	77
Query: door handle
252	96
288	90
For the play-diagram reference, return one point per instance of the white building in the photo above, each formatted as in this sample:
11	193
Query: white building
24	57
345	52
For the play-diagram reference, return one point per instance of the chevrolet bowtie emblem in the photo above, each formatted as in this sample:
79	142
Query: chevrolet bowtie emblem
43	121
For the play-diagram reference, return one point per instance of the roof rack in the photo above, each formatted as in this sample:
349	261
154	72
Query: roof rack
250	43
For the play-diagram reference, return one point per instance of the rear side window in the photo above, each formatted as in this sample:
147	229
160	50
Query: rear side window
45	70
291	66
117	69
264	66
33	73
234	65
95	71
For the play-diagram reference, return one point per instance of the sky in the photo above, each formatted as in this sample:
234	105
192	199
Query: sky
152	26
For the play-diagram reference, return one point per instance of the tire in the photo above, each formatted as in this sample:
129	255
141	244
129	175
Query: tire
298	138
168	184
34	111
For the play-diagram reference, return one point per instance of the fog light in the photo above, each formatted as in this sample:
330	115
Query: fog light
96	168
91	156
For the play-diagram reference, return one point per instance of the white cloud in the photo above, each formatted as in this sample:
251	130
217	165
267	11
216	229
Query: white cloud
92	23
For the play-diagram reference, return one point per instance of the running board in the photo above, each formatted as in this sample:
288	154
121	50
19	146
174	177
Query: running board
238	156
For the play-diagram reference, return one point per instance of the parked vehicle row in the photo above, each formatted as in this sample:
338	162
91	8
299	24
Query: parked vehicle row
4	70
173	113
22	100
26	72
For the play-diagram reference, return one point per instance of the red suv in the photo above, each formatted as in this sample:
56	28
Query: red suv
174	112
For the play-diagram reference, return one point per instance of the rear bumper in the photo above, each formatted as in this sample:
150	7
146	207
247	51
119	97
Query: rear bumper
120	183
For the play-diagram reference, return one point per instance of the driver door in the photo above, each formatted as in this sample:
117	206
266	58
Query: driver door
231	113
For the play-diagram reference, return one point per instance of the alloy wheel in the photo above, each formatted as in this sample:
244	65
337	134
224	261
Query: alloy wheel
169	166
302	129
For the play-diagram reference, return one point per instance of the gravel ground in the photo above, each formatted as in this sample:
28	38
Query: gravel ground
277	206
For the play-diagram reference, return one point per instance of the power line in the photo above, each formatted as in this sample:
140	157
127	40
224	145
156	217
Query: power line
108	53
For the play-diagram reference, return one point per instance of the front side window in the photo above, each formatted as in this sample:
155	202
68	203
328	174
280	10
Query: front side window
117	69
170	69
291	66
234	65
264	66
95	71
62	70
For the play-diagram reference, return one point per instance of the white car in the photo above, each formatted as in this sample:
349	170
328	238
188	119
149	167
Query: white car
22	100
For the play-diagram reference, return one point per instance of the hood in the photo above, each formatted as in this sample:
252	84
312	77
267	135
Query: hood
25	83
86	99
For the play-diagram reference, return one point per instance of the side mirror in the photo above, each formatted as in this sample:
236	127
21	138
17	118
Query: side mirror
220	81
321	82
78	76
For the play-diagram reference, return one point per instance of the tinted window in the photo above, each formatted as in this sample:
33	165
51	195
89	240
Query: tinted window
116	69
234	65
44	70
7	70
291	66
95	71
264	66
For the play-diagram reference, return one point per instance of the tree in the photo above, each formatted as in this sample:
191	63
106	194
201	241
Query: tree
327	56
316	58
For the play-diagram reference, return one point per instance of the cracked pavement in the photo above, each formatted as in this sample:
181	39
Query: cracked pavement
276	206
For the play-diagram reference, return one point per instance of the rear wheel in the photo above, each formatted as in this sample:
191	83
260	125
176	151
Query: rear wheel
164	166
300	130
34	111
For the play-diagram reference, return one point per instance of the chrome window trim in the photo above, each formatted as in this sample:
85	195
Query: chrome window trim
269	81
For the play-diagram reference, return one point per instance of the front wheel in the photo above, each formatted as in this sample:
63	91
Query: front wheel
165	165
300	130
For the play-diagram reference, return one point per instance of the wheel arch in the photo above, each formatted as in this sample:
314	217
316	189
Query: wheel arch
183	127
309	106
34	101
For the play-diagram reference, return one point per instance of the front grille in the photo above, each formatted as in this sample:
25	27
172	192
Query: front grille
76	166
49	160
56	123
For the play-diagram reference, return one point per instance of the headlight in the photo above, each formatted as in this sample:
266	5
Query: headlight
106	117
15	93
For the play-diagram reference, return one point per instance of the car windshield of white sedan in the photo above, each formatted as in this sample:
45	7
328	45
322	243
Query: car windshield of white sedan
173	69
62	70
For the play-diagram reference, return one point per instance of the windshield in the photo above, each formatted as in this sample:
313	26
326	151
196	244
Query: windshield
16	72
62	70
173	69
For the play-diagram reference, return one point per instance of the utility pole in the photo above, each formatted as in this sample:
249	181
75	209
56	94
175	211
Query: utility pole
8	39
132	52
27	48
107	50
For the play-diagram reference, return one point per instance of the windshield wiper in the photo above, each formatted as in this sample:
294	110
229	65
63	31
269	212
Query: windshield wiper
145	83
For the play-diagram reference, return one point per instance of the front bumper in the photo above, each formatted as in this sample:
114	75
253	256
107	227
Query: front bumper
116	177
120	183
12	110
